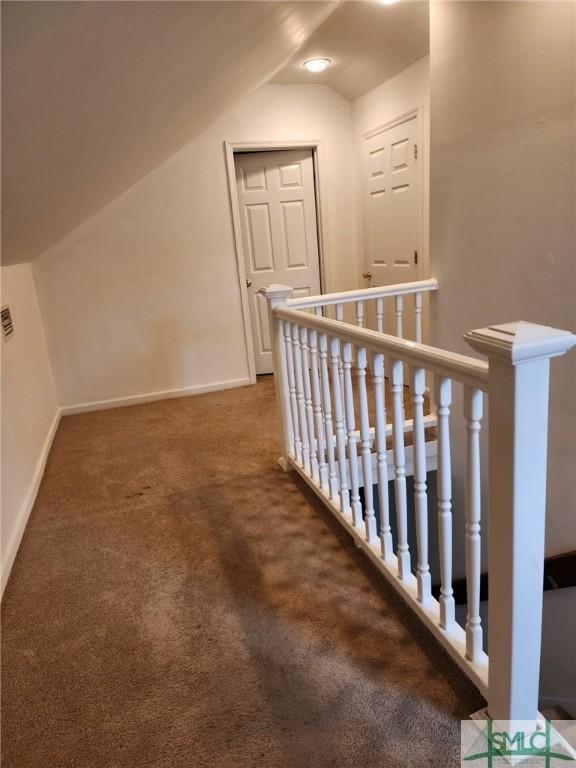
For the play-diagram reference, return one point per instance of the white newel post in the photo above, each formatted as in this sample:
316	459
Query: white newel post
519	355
277	296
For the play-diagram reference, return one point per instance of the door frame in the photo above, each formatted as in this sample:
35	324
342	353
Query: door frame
232	148
418	113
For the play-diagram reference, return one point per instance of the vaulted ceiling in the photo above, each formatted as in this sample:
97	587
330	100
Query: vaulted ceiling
97	94
368	42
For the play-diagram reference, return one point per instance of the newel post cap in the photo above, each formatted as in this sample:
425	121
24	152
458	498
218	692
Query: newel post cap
520	341
276	291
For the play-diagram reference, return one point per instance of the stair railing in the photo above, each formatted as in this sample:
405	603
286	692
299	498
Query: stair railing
331	376
336	303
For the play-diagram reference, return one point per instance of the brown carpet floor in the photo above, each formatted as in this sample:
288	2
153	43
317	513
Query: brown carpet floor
180	602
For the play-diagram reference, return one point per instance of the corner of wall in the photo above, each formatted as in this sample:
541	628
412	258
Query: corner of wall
30	410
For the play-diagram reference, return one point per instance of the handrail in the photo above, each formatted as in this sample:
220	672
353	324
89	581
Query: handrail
327	379
465	369
377	292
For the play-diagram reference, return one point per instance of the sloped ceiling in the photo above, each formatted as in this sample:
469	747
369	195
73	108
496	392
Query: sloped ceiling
367	41
97	94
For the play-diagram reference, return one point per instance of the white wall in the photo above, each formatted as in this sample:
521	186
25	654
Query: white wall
391	99
144	298
502	195
30	410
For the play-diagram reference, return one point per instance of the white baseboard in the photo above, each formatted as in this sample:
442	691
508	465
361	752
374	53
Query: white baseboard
24	514
150	397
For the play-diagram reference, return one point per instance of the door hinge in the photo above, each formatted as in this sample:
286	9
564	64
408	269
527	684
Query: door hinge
415	151
415	257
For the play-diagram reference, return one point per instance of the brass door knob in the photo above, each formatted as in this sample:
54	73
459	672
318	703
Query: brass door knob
367	275
248	283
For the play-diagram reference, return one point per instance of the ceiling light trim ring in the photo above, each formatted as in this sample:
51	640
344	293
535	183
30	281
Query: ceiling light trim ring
318	64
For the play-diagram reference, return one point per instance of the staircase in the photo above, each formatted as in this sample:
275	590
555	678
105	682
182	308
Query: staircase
345	391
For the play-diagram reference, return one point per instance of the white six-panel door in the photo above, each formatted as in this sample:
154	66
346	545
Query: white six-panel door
392	203
277	205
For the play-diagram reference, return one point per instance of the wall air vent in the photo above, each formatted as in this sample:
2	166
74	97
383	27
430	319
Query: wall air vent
7	324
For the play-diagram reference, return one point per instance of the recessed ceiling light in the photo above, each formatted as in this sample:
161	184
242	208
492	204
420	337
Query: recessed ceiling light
388	2
317	65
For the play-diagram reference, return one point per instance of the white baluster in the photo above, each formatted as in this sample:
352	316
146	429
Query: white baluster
473	414
292	391
398	310
277	297
443	392
319	419
300	399
420	495
370	518
327	411
352	443
340	428
318	310
308	402
381	464
380	315
283	389
340	317
398	313
418	316
403	552
360	314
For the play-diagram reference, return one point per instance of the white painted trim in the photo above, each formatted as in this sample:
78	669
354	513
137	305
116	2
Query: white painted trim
232	147
319	163
150	397
26	509
403	118
235	211
266	146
